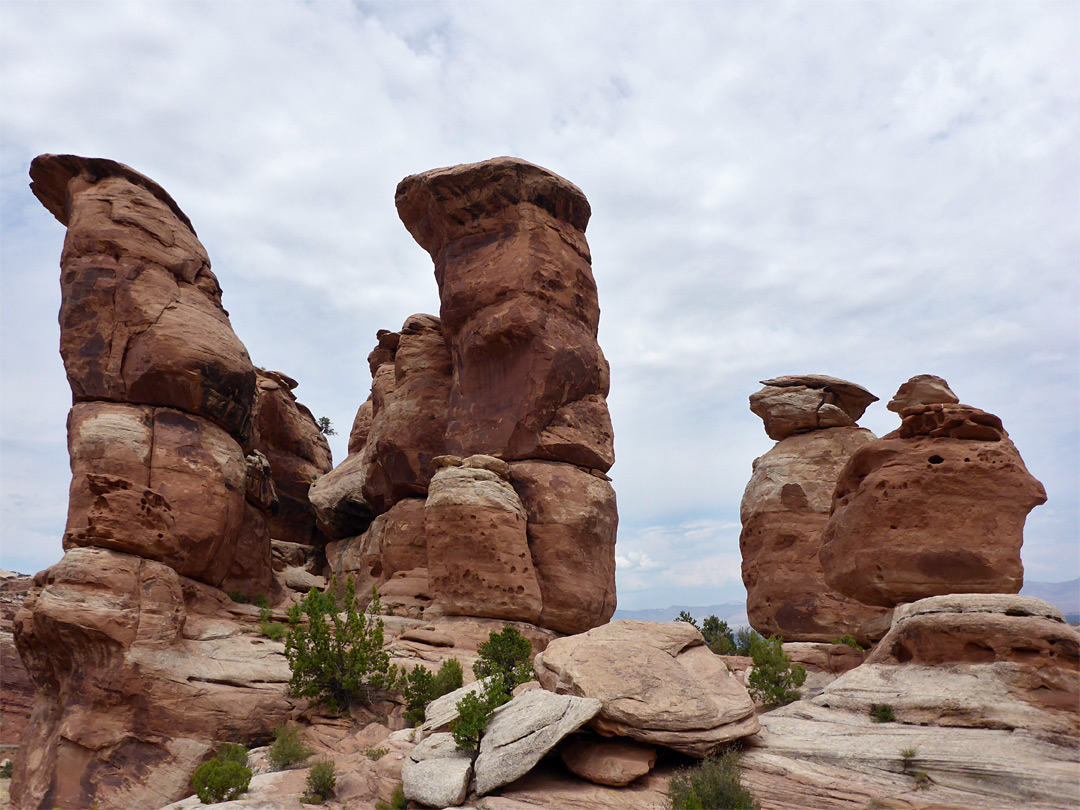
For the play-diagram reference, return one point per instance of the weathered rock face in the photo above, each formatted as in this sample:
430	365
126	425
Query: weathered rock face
131	683
478	551
922	389
608	762
290	439
141	319
658	683
786	505
805	402
572	522
394	542
138	673
936	507
511	372
519	310
16	689
979	660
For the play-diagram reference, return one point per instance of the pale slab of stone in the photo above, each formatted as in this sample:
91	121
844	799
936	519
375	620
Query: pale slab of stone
436	774
525	729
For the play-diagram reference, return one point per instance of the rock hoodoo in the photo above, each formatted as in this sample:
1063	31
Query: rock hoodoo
786	505
511	371
184	459
936	507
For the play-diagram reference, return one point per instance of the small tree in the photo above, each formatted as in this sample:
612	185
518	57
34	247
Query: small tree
474	714
287	749
337	657
326	427
225	777
686	617
420	687
321	782
504	657
774	680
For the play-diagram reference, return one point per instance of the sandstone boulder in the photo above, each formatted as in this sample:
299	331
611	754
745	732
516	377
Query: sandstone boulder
937	507
338	499
436	774
519	309
394	542
141	318
522	731
478	557
608	762
572	522
658	683
922	389
979	660
784	509
804	402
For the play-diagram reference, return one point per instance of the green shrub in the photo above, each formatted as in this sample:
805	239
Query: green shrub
686	617
420	687
326	427
375	754
238	596
321	782
881	713
474	714
397	800
907	758
287	749
746	640
7	768
260	601
338	656
504	657
850	641
225	777
774	680
449	677
715	783
275	631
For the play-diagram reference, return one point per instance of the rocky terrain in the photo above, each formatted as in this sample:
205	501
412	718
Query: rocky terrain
475	496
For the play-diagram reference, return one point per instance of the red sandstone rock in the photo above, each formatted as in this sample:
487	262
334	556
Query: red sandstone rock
289	437
937	507
395	541
922	389
478	557
805	402
784	509
408	425
129	697
156	482
608	762
572	521
16	689
519	308
141	319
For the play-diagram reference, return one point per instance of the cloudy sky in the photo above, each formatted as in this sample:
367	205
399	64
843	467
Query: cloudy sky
867	190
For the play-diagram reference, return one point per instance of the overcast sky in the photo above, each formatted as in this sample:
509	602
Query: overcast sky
866	190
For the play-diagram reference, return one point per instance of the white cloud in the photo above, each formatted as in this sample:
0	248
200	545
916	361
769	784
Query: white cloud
866	190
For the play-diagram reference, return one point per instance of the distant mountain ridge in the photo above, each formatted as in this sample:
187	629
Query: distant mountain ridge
1065	596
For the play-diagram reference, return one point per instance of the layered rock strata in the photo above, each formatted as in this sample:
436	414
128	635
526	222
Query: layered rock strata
786	505
936	507
657	683
172	496
511	370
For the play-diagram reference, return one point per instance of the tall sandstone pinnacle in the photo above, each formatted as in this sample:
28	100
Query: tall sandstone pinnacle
177	443
936	507
786	506
511	371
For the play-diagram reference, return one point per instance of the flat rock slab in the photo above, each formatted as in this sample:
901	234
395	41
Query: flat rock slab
525	729
436	774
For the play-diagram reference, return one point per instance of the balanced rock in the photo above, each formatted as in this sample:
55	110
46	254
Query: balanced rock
937	507
922	389
519	310
658	683
522	731
975	660
478	557
785	508
804	402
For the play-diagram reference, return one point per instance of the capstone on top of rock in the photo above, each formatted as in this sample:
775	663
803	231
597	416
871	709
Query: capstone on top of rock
922	389
804	402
